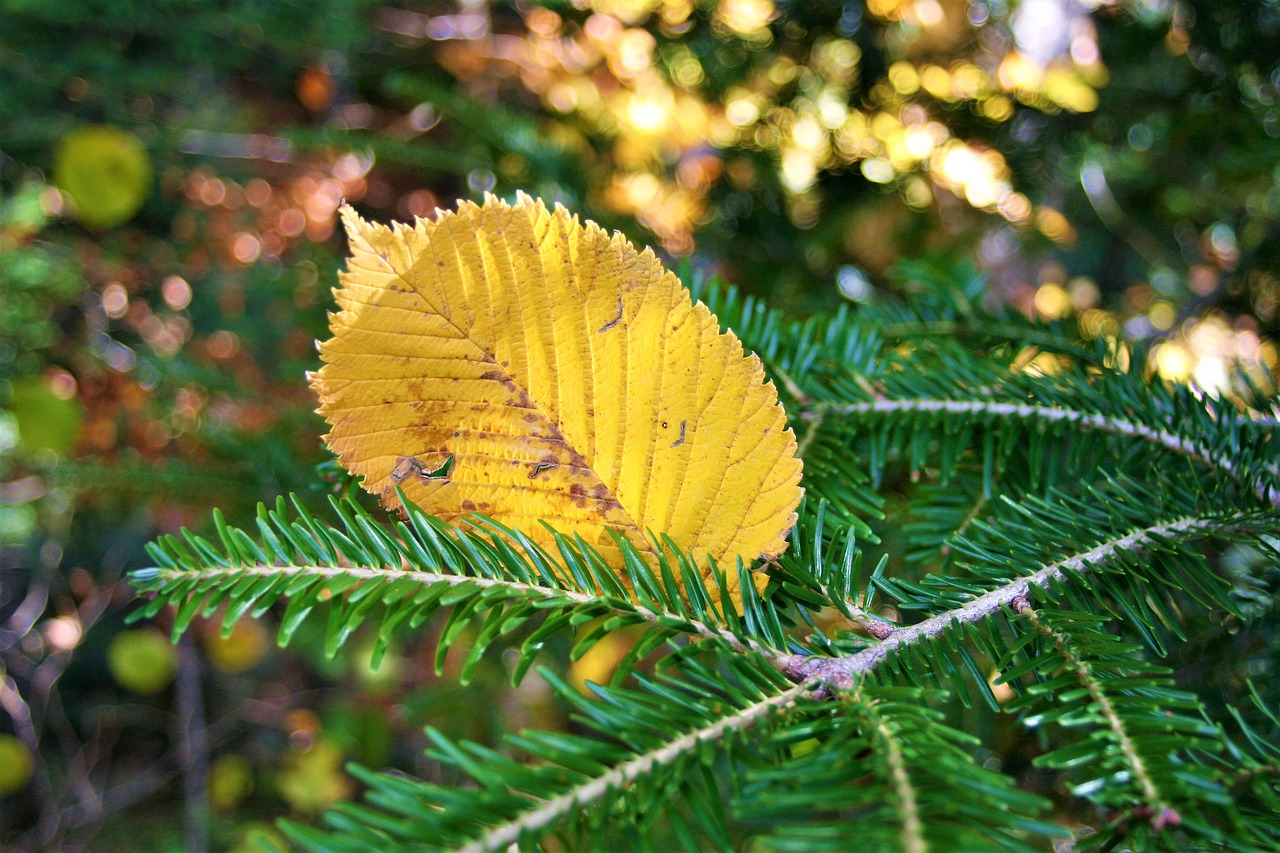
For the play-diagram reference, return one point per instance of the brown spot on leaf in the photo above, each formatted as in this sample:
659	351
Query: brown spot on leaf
407	465
615	321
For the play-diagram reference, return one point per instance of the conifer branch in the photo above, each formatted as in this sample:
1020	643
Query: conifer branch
800	769
842	672
1245	775
792	387
505	835
427	578
908	806
1091	421
969	518
810	433
972	327
1162	814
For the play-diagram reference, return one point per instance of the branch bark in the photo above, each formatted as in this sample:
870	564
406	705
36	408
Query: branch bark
508	834
547	593
843	672
1090	421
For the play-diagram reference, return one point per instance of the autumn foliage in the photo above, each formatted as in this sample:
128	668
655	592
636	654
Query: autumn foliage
509	360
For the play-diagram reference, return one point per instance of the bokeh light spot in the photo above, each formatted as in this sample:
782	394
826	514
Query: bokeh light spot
223	344
176	292
115	300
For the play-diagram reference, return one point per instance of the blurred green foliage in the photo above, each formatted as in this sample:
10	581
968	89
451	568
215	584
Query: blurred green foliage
39	284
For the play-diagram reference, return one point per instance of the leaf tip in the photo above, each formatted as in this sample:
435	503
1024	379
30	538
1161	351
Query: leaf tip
351	221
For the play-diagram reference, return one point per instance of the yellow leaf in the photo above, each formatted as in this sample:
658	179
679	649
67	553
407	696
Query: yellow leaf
512	361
